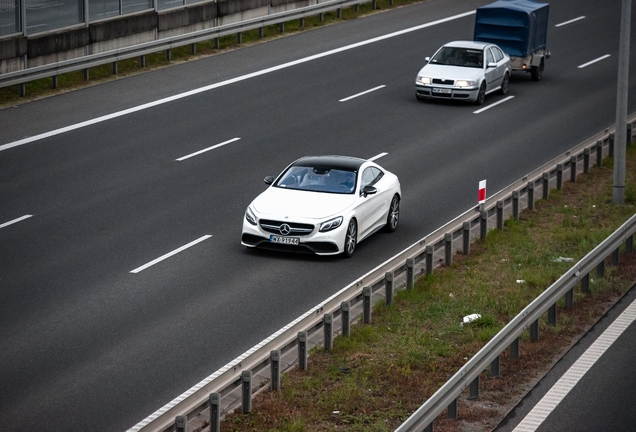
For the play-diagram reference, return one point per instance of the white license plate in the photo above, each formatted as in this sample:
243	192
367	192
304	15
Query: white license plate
442	90
284	240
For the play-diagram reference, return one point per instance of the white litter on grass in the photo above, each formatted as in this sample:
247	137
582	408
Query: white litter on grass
563	259
520	281
470	318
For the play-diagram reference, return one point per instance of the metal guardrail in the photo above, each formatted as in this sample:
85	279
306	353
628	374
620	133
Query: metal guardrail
106	57
421	257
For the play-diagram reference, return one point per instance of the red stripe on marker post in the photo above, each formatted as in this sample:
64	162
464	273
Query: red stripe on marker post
481	196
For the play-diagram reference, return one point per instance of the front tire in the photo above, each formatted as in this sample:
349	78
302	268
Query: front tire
351	239
537	72
393	219
481	96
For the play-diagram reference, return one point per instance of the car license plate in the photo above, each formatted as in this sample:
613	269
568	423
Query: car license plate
442	90
284	240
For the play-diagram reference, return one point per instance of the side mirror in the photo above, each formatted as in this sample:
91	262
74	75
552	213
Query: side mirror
492	65
269	180
427	59
368	190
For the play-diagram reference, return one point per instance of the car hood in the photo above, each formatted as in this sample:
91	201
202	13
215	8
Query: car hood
280	202
451	72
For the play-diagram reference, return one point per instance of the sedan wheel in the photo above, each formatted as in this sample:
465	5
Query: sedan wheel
481	96
393	218
351	239
504	84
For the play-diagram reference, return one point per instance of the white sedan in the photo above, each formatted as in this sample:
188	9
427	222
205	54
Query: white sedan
324	205
464	70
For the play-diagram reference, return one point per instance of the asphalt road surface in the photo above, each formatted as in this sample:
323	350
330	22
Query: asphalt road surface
95	338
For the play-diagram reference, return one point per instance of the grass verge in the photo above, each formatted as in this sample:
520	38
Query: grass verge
375	379
10	96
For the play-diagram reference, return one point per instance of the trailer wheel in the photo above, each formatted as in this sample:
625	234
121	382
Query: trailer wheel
504	84
537	71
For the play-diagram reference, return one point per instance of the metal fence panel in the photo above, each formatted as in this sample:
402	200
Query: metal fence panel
9	17
44	15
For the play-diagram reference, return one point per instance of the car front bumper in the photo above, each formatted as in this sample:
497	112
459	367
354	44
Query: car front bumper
319	243
468	94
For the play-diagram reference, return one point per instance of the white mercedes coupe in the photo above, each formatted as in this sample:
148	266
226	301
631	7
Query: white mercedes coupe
324	205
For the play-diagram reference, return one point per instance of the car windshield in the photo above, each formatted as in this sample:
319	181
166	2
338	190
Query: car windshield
457	56
318	179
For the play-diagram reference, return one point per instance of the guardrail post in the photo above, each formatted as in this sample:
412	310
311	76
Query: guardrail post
599	153
466	237
114	68
193	48
301	24
534	331
142	61
569	298
246	380
515	204
483	224
552	315
180	423
585	284
559	171
345	319
302	350
615	257
514	350
321	17
339	13
328	330
629	244
215	412
430	251
600	269
281	27
573	164
448	248
374	4
410	277
474	388
274	367
357	8
86	74
531	195
239	38
53	82
22	89
611	145
216	43
586	160
388	286
494	367
545	185
169	54
366	313
452	410
500	220
629	134
260	33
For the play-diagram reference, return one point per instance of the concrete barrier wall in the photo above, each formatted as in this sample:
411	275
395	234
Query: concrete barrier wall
20	52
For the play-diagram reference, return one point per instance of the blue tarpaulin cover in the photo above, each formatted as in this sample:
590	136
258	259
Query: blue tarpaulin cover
519	27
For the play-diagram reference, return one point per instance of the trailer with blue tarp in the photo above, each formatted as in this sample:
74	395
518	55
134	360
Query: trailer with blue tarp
520	28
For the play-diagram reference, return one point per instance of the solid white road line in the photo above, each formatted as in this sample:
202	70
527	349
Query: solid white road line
376	157
493	105
363	93
168	255
230	81
571	21
11	222
594	61
208	149
557	393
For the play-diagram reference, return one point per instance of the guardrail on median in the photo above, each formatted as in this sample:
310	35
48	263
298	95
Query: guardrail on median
232	386
166	44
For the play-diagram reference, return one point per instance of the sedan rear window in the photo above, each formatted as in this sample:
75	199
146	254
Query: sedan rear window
318	179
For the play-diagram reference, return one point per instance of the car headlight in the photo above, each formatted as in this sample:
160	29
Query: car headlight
423	80
249	216
464	83
331	224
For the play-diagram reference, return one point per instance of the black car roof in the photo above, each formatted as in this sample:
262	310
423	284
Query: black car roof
346	163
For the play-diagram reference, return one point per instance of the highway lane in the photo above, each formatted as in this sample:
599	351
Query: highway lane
111	197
